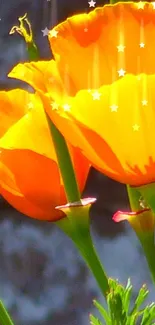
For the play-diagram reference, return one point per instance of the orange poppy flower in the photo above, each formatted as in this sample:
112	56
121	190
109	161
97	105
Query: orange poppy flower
29	175
99	91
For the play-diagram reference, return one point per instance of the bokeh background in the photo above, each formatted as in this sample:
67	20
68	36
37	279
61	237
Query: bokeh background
43	280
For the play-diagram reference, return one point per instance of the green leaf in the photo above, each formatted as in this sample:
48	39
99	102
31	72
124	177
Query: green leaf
95	321
103	312
142	295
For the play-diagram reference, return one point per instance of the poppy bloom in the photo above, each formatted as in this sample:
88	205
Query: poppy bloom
29	175
99	90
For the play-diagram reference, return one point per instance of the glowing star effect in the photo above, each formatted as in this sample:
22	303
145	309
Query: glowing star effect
153	4
114	108
92	3
54	106
85	30
144	102
45	31
141	5
53	33
96	95
142	45
66	107
30	105
121	72
120	48
136	127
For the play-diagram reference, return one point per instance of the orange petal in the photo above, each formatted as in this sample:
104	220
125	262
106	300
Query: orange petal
116	130
13	105
31	184
31	131
44	76
88	45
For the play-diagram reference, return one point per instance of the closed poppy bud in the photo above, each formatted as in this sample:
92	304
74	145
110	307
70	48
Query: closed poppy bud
29	175
100	87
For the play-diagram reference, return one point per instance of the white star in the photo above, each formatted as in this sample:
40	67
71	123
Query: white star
142	45
66	107
53	33
96	95
91	3
54	106
141	5
136	127
121	48
121	72
30	105
144	102
45	31
114	108
153	4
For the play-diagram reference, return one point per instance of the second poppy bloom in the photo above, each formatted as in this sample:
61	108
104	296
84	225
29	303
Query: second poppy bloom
99	91
30	179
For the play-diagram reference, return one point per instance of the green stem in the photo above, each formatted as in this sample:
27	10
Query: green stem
77	228
134	197
90	256
148	245
65	164
4	316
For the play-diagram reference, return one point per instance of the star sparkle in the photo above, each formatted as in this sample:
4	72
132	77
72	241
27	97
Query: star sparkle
142	45
96	95
144	102
53	33
136	127
85	30
114	108
30	105
140	5
153	4
45	31
121	73
92	3
54	106
66	107
120	48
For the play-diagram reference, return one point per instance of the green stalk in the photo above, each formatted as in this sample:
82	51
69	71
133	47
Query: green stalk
4	316
77	228
148	245
65	164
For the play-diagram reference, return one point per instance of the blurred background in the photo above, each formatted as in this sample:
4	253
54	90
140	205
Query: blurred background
43	280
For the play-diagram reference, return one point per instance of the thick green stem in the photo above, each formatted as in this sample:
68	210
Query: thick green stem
134	198
77	228
147	243
89	255
4	316
65	164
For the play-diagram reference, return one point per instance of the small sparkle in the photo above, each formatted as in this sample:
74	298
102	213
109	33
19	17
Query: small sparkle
121	72
66	107
144	102
54	106
85	30
120	48
45	31
53	33
141	5
91	3
136	127
30	105
142	45
114	108
96	95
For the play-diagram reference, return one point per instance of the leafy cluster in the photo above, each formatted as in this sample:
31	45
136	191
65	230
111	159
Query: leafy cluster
119	307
